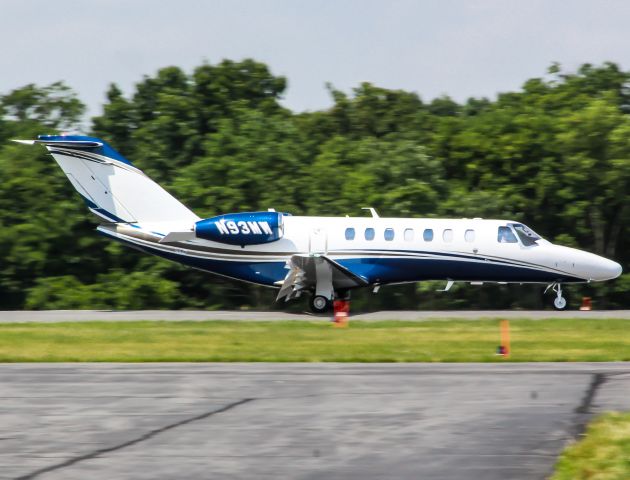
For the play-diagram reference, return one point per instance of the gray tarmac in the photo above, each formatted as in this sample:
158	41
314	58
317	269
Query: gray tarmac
298	421
201	315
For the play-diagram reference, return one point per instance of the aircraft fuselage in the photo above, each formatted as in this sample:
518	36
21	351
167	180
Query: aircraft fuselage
384	251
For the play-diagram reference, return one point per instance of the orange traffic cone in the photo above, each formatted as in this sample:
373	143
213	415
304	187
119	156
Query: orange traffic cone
587	305
341	309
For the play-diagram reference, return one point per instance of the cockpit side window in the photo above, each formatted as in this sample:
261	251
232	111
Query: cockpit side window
527	236
506	235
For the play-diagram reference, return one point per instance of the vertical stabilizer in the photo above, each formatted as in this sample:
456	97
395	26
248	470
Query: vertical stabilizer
111	186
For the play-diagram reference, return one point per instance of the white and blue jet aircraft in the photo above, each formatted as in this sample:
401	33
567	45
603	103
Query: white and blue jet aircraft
324	257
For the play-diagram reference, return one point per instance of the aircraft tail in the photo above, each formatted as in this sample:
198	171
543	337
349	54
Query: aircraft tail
110	185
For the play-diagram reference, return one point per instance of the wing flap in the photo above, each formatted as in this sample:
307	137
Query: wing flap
303	276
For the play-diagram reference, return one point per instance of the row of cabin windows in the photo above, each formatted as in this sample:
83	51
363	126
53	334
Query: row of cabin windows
408	235
505	235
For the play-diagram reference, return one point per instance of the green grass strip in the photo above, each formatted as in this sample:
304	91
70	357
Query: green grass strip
558	340
603	454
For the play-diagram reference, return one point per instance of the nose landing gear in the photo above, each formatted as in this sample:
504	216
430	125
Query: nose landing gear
559	302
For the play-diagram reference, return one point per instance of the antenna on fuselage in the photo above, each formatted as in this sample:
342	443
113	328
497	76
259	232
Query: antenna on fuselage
372	211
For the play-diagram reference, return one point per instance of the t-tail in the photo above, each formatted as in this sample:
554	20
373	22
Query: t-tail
109	184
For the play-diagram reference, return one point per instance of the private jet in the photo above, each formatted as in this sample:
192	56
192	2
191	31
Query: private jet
323	257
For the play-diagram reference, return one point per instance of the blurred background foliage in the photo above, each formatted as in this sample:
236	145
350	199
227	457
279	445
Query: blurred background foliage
554	155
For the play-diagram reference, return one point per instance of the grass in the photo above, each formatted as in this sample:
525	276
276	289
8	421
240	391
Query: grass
562	340
603	454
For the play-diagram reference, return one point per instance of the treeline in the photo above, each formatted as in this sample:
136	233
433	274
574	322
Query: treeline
554	155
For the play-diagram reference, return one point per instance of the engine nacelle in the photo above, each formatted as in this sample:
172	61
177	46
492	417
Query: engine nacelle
245	228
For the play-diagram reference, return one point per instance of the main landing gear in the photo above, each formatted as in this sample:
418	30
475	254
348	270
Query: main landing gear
319	304
559	302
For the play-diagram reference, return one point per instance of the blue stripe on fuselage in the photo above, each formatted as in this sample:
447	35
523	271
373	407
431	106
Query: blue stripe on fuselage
393	270
373	269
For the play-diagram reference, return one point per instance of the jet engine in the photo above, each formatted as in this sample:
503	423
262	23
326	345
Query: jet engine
245	228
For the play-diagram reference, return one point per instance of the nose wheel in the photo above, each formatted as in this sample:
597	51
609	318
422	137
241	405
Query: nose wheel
559	302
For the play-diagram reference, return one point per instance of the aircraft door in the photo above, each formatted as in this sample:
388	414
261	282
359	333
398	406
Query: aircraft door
318	241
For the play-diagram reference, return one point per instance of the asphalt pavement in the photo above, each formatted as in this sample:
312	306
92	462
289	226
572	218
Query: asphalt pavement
298	421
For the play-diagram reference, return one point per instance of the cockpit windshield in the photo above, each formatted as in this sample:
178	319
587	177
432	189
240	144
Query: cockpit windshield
525	234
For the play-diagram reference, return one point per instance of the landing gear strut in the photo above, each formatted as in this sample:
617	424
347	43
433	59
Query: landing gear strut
560	302
319	304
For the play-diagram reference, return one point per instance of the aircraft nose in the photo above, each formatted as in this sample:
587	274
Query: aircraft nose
615	269
586	265
606	269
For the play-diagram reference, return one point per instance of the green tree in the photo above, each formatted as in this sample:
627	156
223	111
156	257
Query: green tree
55	106
553	154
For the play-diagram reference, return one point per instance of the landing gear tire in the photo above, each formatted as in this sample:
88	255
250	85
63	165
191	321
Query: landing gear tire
560	303
319	304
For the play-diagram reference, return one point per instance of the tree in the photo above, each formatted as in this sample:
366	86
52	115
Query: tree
554	154
54	106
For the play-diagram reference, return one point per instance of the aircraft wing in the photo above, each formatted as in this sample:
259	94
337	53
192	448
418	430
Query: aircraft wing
303	275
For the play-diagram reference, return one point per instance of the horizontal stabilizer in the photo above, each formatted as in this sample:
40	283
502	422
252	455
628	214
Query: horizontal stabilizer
62	143
173	237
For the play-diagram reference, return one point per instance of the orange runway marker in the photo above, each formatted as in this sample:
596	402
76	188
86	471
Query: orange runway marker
504	347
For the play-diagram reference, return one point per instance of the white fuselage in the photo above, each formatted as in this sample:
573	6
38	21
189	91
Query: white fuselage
386	250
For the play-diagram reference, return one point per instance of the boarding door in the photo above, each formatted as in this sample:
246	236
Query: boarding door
318	241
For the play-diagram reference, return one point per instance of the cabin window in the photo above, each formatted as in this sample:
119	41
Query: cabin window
349	233
389	234
447	235
506	235
369	234
427	235
469	236
408	235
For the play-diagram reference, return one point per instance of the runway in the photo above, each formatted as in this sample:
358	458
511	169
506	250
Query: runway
202	315
298	421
